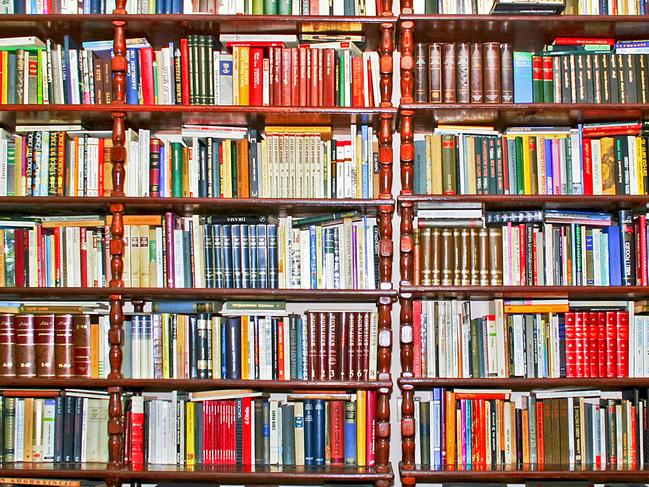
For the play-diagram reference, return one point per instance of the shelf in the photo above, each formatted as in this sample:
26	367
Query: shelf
218	473
516	202
523	384
512	473
64	205
493	292
191	384
516	28
149	116
86	27
503	115
299	295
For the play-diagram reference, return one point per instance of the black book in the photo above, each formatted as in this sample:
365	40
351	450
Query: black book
79	411
309	433
642	64
198	432
238	410
614	77
259	431
566	85
590	87
630	78
288	434
621	77
421	74
68	428
203	172
233	347
605	77
59	420
272	256
318	432
580	78
597	78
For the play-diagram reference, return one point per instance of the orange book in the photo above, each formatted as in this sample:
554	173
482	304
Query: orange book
244	75
243	171
526	436
450	428
94	350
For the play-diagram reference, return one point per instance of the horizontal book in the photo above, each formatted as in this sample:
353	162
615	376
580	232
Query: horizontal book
230	162
553	248
255	7
197	71
337	252
54	345
477	339
315	345
54	426
493	428
312	430
592	159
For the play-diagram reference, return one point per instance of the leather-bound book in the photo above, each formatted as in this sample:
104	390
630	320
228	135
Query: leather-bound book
63	346
483	243
436	257
456	257
421	74
496	256
7	346
492	72
448	256
474	254
435	73
425	254
464	249
44	343
463	89
507	70
449	165
475	53
25	350
448	73
81	336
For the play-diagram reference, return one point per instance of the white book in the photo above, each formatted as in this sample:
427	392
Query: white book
597	166
633	173
24	42
19	432
274	433
49	414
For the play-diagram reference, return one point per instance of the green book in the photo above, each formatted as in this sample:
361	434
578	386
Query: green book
257	7
176	169
537	78
285	7
424	432
271	7
233	165
431	7
519	166
449	170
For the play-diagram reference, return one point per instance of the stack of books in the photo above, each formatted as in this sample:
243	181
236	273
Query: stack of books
58	7
256	7
296	429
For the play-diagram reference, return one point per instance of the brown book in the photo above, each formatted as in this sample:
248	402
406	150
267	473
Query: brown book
435	257
548	446
332	349
561	422
64	345
475	52
464	249
496	256
474	255
342	346
97	72
81	338
7	346
448	256
421	74
483	242
323	327
44	344
425	255
24	343
457	254
463	88
492	72
366	345
358	358
435	73
448	73
312	352
329	78
350	323
507	70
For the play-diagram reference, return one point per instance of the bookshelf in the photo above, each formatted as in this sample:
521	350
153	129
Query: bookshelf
119	26
524	33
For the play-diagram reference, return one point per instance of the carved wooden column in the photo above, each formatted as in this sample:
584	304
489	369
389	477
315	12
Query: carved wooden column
386	246
406	263
386	8
118	158
406	7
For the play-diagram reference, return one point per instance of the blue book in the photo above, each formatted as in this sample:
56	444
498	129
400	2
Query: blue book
95	6
350	433
309	434
252	257
160	7
68	44
132	79
469	429
176	6
365	182
198	432
203	164
265	407
163	171
272	255
193	348
319	432
614	256
11	77
262	256
226	244
523	88
590	281
298	348
224	371
313	256
19	6
549	177
245	256
420	167
208	255
217	256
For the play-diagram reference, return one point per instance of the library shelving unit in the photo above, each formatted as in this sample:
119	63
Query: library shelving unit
379	32
524	33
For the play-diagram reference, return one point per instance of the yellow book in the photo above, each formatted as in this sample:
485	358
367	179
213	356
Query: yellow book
165	320
361	427
436	163
180	349
5	76
537	308
265	170
235	75
28	429
641	161
359	166
245	370
472	182
94	350
527	173
541	186
186	171
19	179
227	166
190	440
244	76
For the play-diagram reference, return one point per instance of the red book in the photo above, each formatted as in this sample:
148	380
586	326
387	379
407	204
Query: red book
571	345
350	322
588	166
256	76
370	85
320	77
260	44
40	257
359	346
522	235
271	71
137	431
611	345
63	346
147	56
303	90
601	344
129	437
370	457
577	41
357	82
593	344
44	345
83	234
610	130
641	246
579	344
81	340
100	162
57	256
19	250
416	338
206	433
312	349
277	76
246	432
309	74
537	74
622	345
329	78
280	350
295	77
286	77
7	346
314	78
535	259
547	70
24	346
170	225
337	430
539	433
634	442
184	70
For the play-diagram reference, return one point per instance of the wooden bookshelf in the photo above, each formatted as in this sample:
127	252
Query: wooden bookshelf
492	292
525	384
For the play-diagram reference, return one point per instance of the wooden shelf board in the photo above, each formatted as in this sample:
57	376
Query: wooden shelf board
300	295
191	384
499	202
492	292
523	384
224	473
511	473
